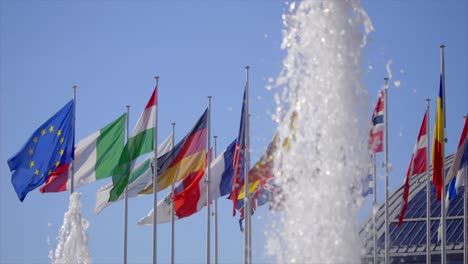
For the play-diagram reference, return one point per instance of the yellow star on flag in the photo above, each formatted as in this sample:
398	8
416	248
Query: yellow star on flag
35	139
43	132
36	172
57	163
59	132
30	151
31	164
49	173
61	152
61	140
51	129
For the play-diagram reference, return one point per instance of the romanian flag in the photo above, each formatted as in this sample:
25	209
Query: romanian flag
438	145
187	157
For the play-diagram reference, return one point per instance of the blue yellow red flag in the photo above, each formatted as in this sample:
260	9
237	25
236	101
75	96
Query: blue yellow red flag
48	148
438	145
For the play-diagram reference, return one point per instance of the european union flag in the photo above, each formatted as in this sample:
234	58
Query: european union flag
49	147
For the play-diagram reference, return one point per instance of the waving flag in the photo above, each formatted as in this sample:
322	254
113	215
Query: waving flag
48	149
141	177
188	195
261	194
95	158
140	142
417	165
187	157
239	156
376	133
438	145
457	173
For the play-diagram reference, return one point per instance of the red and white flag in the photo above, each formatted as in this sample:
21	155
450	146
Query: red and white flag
417	165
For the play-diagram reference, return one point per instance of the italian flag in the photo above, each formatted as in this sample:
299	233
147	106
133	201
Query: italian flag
95	158
140	142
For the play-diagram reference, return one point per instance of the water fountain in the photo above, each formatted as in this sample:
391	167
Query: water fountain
322	166
72	244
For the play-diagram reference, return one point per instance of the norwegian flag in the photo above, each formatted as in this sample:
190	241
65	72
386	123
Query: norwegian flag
417	165
238	162
376	132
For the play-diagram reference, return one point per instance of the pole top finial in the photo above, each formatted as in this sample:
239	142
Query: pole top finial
74	86
386	79
247	67
428	99
128	106
156	78
215	136
209	96
442	46
173	123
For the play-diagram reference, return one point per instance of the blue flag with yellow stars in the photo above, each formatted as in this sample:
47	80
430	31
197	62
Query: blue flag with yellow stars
49	147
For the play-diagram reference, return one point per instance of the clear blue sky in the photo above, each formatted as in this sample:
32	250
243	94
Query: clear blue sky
113	49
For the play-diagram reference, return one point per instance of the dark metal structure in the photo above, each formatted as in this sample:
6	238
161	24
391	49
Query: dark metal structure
408	242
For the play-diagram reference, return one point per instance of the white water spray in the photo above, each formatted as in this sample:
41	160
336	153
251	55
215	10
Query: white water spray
323	126
72	244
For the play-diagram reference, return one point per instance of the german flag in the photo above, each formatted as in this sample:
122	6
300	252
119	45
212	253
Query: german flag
187	157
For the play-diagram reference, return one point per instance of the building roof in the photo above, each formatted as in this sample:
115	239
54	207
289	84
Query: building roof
410	237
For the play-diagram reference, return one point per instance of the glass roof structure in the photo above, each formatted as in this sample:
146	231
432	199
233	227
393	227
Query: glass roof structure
408	242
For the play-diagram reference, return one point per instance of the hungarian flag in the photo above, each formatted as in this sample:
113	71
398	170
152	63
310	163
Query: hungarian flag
376	132
140	142
95	158
417	165
438	145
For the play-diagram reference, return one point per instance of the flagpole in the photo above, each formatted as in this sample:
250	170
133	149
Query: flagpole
155	182
208	211
126	200
172	207
73	124
387	235
374	205
465	229
443	257
246	173
428	190
215	214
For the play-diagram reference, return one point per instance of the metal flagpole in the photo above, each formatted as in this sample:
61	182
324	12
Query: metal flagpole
428	190
387	235
215	214
374	205
246	170
72	169
444	249
465	229
172	207
247	158
126	200
155	182
208	196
